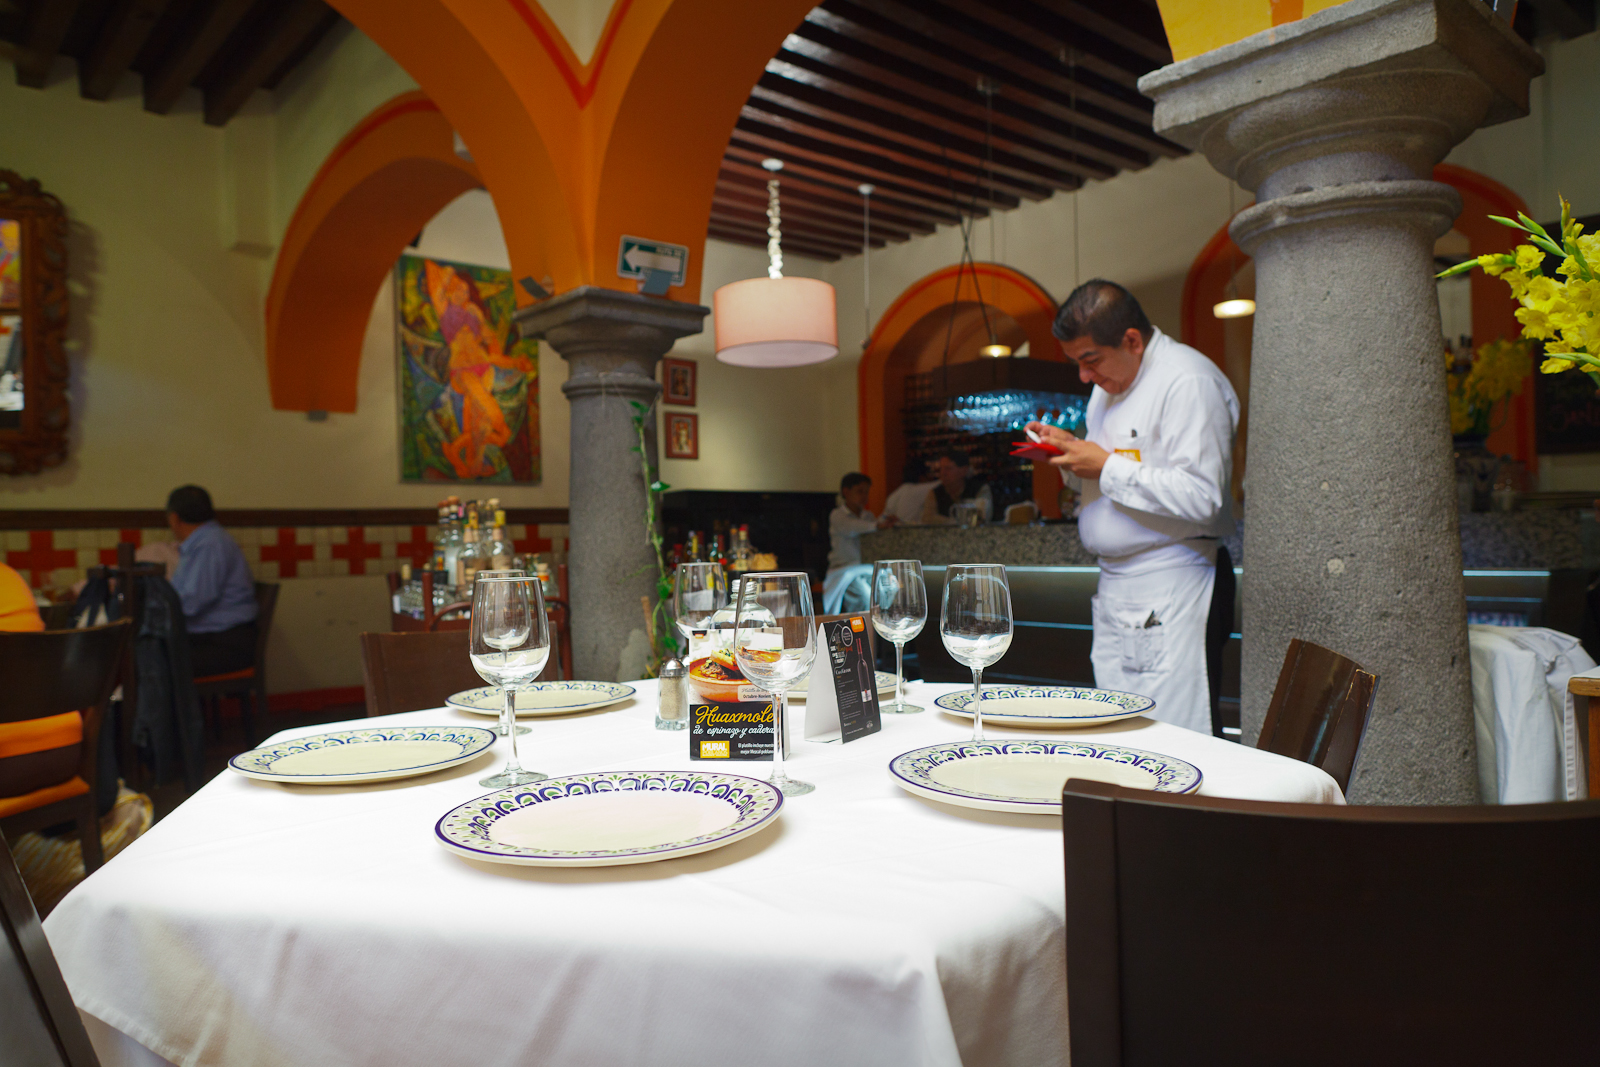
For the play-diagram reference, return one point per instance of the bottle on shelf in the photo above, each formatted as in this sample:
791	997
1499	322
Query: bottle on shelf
453	540
502	556
471	560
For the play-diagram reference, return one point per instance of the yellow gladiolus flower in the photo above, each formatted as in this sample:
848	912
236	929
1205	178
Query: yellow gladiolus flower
1535	324
1552	365
1529	259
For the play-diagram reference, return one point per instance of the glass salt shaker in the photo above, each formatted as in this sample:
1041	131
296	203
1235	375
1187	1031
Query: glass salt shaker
672	708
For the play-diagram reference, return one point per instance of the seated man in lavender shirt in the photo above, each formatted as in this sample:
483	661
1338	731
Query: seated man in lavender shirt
214	582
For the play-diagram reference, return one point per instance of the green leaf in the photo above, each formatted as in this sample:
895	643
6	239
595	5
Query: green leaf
1502	220
659	487
1459	268
640	408
1533	227
1594	376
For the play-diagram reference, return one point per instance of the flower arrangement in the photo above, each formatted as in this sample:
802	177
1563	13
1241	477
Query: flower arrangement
1560	313
1494	373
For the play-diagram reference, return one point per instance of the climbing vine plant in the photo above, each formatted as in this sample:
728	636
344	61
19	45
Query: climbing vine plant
658	617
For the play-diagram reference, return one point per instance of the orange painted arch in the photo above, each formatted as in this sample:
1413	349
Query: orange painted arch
377	189
1003	288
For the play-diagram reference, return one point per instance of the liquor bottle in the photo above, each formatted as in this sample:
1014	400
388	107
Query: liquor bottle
719	553
452	541
745	551
471	560
436	563
501	553
694	547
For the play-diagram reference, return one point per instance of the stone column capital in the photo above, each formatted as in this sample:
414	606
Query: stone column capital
589	319
1429	206
1368	90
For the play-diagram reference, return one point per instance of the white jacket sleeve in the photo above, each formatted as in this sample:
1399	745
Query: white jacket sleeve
1197	427
842	523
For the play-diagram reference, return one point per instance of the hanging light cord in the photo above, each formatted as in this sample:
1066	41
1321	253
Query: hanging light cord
866	190
774	220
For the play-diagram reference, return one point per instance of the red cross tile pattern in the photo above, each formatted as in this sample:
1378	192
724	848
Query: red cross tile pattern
286	553
358	551
108	556
417	551
532	542
41	557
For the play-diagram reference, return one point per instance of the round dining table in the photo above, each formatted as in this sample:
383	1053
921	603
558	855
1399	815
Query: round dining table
281	925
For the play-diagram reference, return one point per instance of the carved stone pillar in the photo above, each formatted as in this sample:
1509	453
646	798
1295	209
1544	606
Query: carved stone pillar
1351	531
611	341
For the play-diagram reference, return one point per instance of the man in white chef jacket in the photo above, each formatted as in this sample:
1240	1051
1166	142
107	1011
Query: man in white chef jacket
1156	463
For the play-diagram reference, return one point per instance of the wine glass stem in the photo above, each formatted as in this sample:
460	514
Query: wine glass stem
977	703
779	707
899	675
509	716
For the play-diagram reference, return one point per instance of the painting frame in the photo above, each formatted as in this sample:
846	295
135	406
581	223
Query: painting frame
467	382
681	435
679	381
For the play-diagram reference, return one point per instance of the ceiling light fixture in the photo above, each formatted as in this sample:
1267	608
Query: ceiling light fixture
1232	305
775	321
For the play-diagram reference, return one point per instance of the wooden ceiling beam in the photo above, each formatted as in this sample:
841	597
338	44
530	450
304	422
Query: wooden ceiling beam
1022	56
746	202
811	75
1002	173
832	190
46	30
798	168
1115	31
297	20
931	175
736	187
166	83
841	54
892	39
927	195
1070	53
114	49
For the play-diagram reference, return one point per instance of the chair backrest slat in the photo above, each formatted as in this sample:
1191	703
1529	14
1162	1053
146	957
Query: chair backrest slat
39	1025
415	670
1319	709
50	672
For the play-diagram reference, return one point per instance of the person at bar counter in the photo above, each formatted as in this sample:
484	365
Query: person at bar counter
911	496
957	485
213	581
1156	464
845	586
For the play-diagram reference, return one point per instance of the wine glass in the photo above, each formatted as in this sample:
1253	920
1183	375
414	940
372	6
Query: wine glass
510	644
899	611
774	643
499	725
699	590
975	623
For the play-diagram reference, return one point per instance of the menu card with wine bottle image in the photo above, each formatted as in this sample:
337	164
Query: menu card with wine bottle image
842	695
729	718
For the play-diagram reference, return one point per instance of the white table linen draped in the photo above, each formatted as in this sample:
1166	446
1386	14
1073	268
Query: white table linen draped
291	926
1528	748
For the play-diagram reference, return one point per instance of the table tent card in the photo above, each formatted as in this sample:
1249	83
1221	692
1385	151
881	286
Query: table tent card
842	696
729	718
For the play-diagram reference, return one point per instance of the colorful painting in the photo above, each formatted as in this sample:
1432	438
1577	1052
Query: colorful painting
678	381
469	385
683	435
10	263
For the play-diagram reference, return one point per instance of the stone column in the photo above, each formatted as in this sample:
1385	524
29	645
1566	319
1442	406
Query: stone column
1351	531
611	341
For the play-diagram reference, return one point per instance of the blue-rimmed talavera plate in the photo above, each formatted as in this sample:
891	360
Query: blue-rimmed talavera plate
610	818
371	755
544	698
1047	705
1027	776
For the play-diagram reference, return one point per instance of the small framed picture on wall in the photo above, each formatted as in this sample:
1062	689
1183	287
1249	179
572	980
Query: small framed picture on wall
678	381
683	435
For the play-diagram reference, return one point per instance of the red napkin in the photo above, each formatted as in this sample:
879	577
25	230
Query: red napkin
1041	450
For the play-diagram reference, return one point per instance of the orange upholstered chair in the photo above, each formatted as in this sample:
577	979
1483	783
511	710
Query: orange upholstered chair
57	684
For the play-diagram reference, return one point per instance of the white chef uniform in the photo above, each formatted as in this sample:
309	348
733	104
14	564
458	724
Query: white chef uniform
846	575
1154	518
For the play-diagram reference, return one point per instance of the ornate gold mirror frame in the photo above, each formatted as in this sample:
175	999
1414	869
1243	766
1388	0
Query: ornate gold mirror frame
34	413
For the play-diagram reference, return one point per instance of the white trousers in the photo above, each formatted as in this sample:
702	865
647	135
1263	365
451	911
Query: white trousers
1150	639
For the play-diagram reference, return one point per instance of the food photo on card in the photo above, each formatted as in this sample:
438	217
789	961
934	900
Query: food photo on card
729	718
843	705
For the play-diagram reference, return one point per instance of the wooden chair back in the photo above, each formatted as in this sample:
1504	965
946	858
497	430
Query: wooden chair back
1319	709
413	671
558	609
872	635
266	607
1203	930
40	1024
49	674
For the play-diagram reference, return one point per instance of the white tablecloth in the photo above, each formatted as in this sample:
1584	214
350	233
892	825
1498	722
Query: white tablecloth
1528	750
295	926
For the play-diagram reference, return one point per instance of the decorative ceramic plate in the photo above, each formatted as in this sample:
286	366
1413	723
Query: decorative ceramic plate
544	698
885	680
610	818
1047	705
1027	776
370	755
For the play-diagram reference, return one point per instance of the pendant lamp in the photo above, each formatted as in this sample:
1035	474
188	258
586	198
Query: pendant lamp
775	321
1232	305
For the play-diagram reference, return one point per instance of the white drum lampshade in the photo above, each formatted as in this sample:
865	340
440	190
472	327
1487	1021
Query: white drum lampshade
776	322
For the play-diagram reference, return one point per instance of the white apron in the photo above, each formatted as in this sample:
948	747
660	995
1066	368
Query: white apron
1150	639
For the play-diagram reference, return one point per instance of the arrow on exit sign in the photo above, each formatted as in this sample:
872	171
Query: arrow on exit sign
637	256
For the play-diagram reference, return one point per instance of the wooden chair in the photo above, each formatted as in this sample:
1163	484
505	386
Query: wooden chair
558	609
247	686
1587	710
413	671
1319	709
1202	930
431	620
872	635
52	703
39	1023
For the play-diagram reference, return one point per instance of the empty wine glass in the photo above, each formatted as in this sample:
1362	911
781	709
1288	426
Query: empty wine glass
510	644
975	623
698	591
499	723
774	643
899	611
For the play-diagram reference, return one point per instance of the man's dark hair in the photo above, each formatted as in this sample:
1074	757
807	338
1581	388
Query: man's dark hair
1102	310
956	456
191	504
853	479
